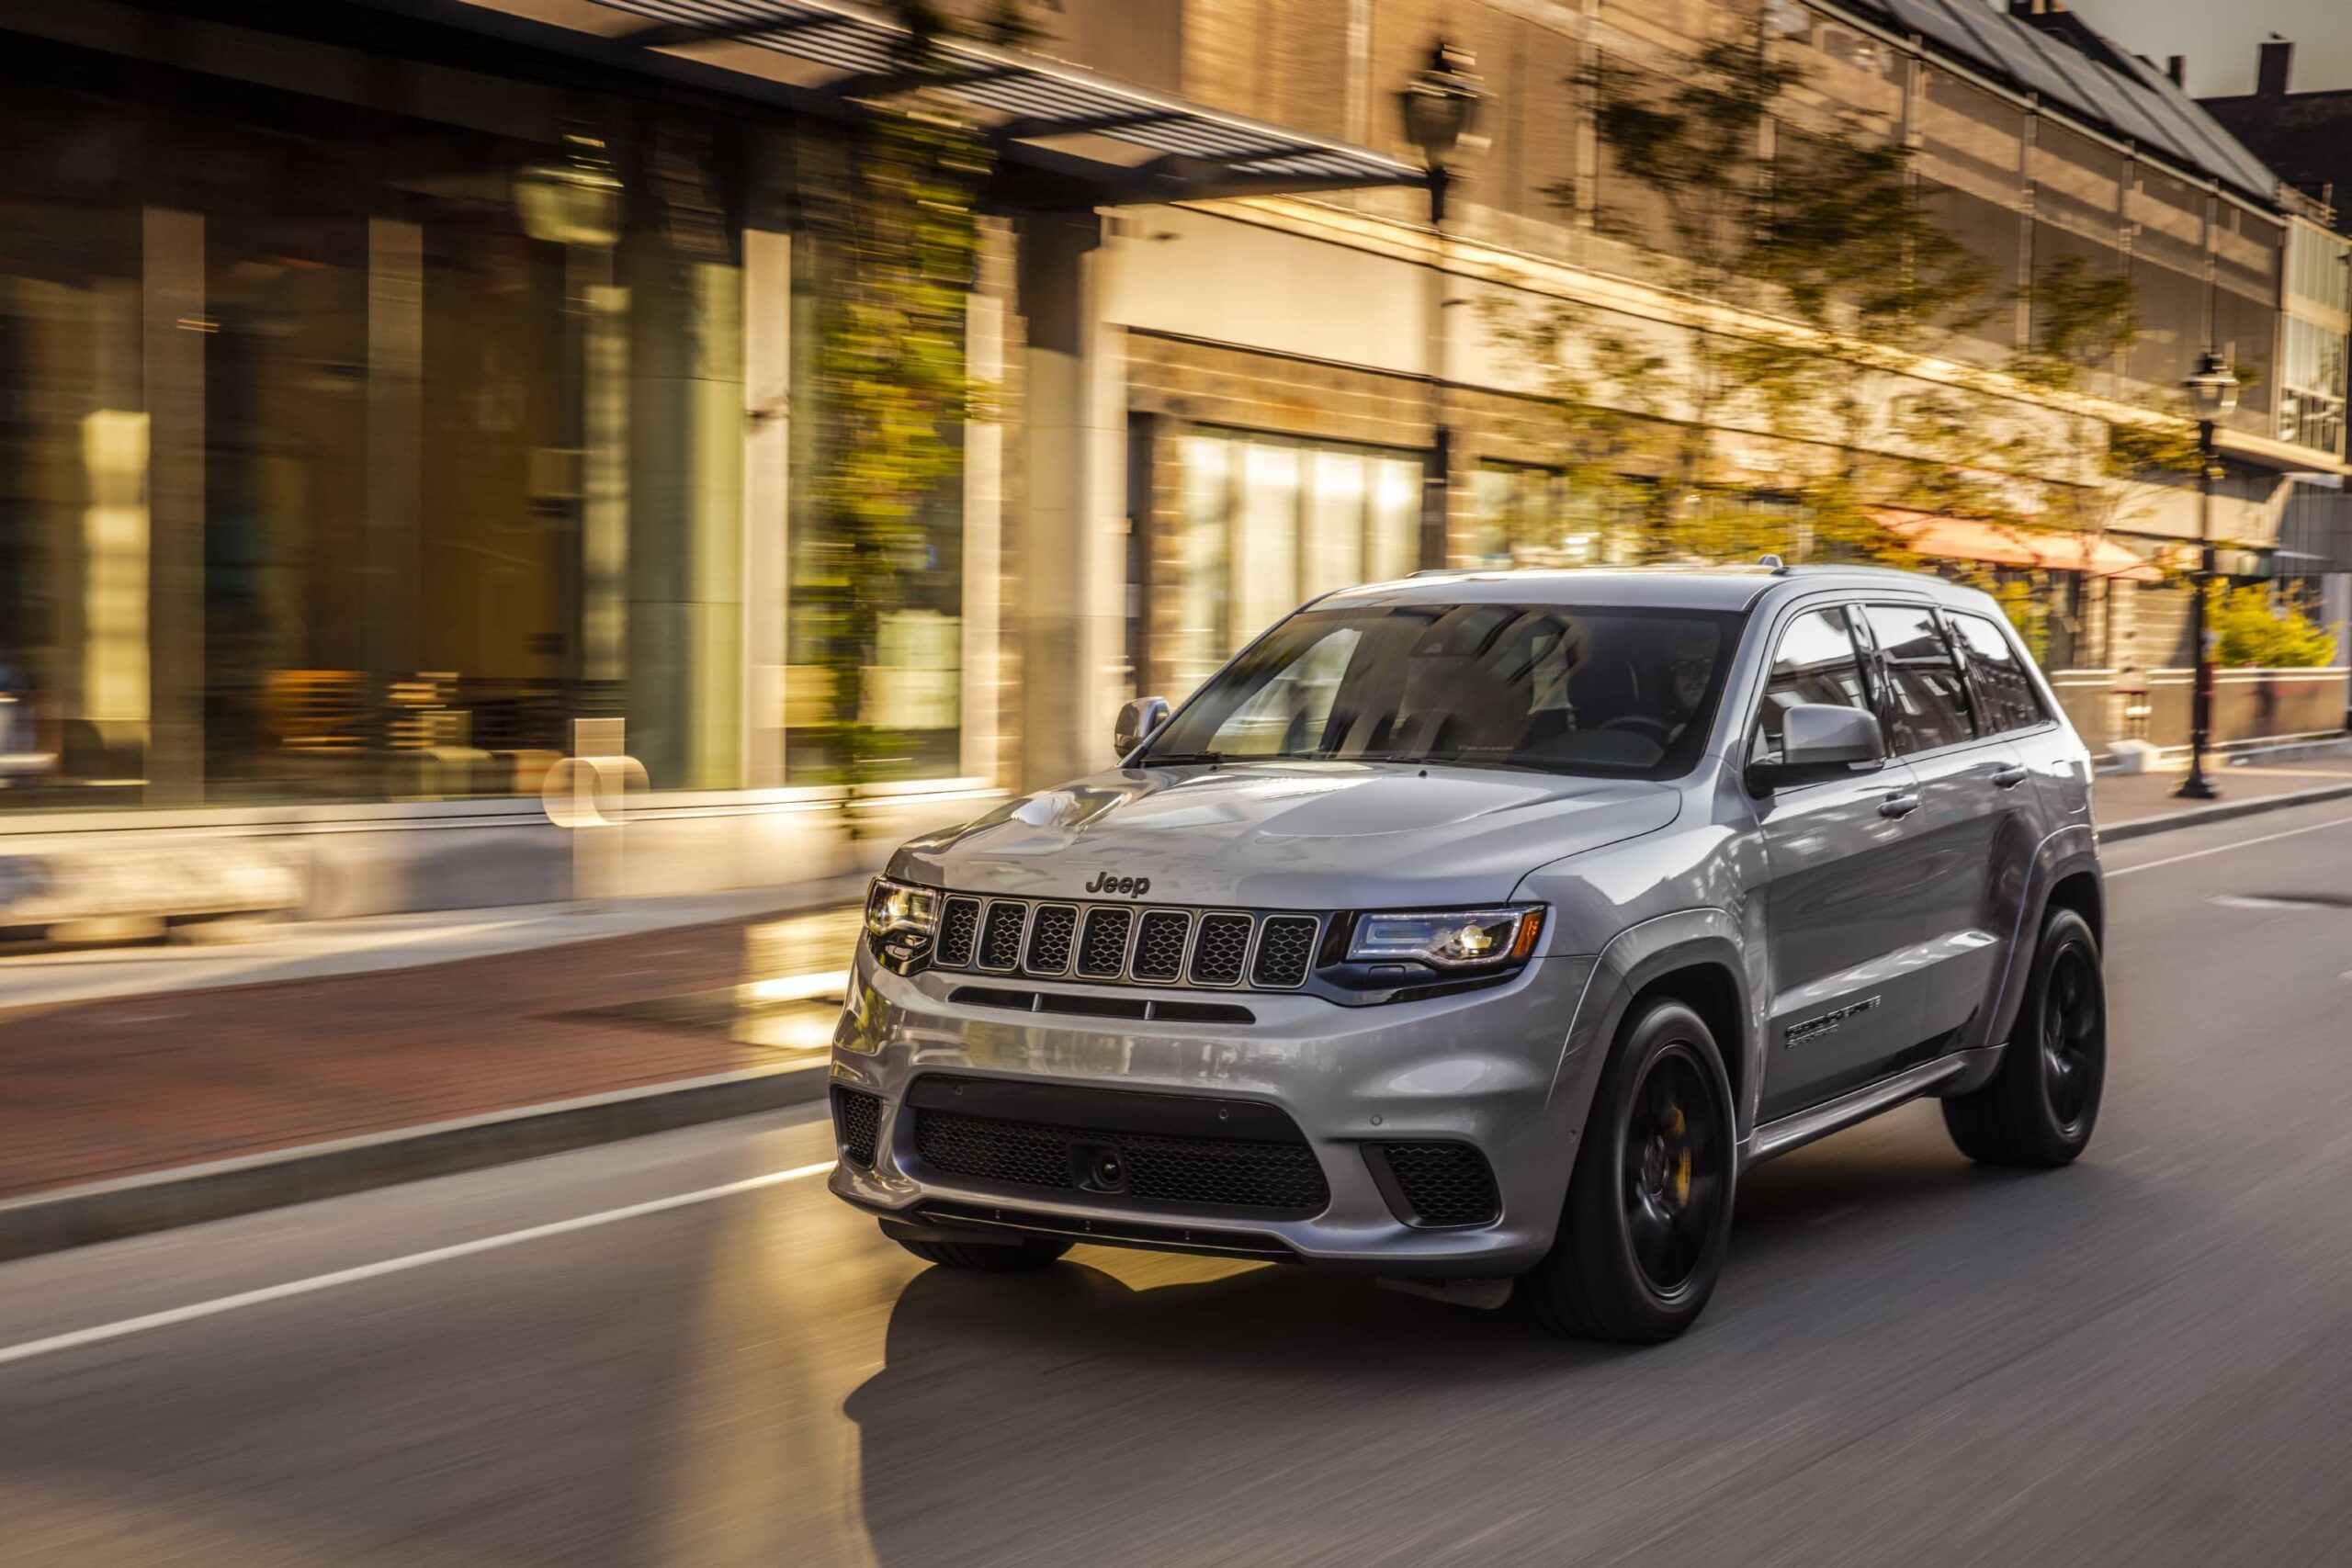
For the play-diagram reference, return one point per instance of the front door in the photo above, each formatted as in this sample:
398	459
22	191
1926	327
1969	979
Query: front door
1842	916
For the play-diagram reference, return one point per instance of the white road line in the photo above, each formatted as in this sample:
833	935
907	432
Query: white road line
105	1331
2224	848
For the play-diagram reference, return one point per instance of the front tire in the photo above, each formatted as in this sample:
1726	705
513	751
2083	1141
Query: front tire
2043	1100
988	1257
1648	1212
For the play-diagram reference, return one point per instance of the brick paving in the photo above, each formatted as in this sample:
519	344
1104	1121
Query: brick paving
94	1090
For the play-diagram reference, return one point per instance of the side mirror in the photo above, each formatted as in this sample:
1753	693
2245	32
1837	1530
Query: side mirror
1820	741
1138	721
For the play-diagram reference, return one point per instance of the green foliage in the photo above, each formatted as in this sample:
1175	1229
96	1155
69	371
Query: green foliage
901	241
2251	630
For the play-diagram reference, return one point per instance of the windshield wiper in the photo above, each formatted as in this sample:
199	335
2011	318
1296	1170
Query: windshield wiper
1180	759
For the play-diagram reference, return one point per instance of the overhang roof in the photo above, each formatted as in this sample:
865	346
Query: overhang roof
1126	141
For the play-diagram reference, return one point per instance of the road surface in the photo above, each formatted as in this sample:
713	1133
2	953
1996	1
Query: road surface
679	1350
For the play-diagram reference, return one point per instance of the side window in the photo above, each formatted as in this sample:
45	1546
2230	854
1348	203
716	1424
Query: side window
1927	704
1815	663
2003	690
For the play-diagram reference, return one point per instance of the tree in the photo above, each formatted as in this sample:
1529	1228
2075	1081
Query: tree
1813	228
901	239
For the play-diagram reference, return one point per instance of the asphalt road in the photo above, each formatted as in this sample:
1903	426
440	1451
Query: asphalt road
598	1358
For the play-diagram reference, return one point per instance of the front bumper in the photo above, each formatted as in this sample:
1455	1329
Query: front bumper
1489	1069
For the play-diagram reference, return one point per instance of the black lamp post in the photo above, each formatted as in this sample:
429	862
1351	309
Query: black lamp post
2212	395
1440	109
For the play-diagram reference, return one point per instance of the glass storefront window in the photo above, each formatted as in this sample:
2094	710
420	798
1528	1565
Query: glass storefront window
1526	516
344	458
1267	523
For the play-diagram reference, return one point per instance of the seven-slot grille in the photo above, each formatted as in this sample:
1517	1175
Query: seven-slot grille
1146	944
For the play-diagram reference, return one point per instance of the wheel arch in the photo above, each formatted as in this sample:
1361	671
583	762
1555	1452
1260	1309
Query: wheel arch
1694	956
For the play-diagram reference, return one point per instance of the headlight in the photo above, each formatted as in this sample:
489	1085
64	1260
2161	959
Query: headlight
1449	939
900	922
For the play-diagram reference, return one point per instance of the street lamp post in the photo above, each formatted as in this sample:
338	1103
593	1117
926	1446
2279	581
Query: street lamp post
2212	395
1440	110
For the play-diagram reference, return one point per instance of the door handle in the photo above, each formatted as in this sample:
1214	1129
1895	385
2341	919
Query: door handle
1898	806
2008	778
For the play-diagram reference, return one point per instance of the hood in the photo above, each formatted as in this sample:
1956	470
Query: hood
1311	836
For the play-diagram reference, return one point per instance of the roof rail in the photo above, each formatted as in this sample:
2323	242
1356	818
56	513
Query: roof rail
1773	564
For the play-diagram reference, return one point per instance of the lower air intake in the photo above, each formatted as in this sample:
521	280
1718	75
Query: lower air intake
857	1124
1152	1169
1438	1185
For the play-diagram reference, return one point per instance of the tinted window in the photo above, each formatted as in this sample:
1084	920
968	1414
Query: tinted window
2006	699
1926	704
1618	693
1815	663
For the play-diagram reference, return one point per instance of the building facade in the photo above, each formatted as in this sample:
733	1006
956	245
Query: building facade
386	385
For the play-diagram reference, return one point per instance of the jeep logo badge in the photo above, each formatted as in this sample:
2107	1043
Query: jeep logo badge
1130	887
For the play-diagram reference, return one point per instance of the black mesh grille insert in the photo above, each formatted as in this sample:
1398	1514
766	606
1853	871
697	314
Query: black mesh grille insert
1051	930
959	930
1103	948
1285	949
1218	952
1000	935
1160	945
857	1123
1186	1172
1443	1184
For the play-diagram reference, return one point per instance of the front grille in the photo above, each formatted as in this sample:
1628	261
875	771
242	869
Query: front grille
1102	951
1437	1184
1001	934
1146	944
857	1123
959	933
1285	952
1159	946
1218	950
1273	1175
1051	930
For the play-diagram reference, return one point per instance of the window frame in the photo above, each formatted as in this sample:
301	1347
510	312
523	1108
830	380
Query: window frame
1865	666
1881	662
2045	719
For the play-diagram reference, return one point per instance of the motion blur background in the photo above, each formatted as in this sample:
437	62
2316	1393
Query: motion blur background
384	387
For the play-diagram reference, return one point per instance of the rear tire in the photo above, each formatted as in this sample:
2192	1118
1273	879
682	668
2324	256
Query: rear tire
988	1257
1648	1211
2043	1100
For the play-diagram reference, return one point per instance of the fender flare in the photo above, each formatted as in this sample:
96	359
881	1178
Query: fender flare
1684	939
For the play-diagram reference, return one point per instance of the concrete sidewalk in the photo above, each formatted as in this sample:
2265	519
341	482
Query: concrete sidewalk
147	1088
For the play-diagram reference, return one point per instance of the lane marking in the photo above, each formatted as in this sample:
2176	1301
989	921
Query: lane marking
2224	848
117	1330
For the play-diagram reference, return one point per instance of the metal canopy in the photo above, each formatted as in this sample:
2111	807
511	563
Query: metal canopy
1054	117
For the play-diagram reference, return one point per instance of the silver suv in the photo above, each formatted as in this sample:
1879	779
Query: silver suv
1485	927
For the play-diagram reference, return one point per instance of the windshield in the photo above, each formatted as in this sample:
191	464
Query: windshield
1618	694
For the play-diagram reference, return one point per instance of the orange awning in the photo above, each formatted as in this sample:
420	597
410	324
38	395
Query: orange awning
1964	539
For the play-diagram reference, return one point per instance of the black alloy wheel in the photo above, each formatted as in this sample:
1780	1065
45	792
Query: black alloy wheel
2070	1037
1673	1169
2043	1102
1648	1208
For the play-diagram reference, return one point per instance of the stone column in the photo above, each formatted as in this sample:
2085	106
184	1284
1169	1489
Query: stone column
1072	541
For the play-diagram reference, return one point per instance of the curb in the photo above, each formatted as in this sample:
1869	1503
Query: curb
134	1205
2223	811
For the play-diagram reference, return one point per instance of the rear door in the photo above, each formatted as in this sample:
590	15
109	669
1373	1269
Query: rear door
1979	820
1841	911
